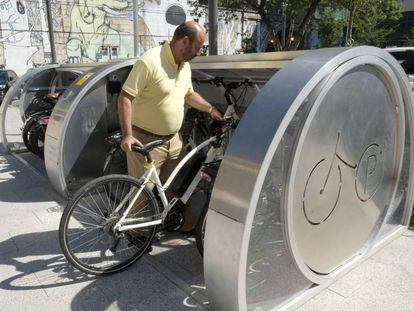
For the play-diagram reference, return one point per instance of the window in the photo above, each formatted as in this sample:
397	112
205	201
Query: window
406	60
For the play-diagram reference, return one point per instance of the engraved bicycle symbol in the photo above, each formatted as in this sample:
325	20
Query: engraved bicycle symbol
325	182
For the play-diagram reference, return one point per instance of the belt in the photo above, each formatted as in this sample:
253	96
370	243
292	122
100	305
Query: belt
142	131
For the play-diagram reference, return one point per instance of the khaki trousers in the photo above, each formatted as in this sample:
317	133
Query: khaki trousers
166	156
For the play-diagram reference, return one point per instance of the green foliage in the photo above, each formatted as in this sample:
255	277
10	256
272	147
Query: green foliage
369	18
331	28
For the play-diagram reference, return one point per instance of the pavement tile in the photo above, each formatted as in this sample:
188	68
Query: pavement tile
144	289
41	196
32	241
357	278
392	289
326	300
34	275
178	252
399	253
7	245
19	225
50	216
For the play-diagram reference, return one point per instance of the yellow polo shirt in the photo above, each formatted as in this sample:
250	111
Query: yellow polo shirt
158	86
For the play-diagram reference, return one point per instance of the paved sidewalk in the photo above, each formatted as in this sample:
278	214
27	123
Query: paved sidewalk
34	274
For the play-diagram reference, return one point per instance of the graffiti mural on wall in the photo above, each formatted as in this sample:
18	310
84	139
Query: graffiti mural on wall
91	30
21	34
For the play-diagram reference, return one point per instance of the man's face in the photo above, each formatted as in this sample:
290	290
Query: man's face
192	49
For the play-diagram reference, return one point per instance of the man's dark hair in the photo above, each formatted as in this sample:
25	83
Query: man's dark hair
185	30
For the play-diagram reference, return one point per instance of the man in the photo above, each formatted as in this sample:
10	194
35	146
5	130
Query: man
151	103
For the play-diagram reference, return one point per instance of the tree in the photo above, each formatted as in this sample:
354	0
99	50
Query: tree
368	18
299	14
366	21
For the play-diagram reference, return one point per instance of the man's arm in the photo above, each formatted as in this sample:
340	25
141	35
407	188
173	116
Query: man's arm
196	101
124	112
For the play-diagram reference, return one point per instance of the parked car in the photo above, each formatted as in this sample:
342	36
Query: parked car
405	56
7	78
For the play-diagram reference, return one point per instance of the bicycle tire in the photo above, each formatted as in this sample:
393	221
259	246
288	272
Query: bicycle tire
104	251
201	227
37	138
26	133
211	170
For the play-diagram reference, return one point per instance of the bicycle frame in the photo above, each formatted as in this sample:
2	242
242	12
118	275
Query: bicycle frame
151	173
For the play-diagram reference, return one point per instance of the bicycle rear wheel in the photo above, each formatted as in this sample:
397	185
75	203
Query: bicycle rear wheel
86	232
202	219
37	139
26	133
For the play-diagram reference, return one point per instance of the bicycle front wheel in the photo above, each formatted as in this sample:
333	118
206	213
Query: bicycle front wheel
86	232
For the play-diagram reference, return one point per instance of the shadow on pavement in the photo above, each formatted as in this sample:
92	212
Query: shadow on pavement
170	278
20	184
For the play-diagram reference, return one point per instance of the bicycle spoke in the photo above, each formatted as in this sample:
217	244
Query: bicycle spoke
91	243
88	214
88	242
96	204
96	241
100	196
90	209
81	234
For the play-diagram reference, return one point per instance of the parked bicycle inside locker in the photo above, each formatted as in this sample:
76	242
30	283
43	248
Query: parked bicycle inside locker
204	169
111	221
195	127
197	123
34	127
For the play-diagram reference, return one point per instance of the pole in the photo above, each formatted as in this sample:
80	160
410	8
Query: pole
284	5
51	32
348	38
242	30
212	27
136	28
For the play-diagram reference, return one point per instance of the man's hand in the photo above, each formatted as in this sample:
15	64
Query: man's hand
128	141
216	115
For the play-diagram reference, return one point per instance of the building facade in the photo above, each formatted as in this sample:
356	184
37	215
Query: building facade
95	30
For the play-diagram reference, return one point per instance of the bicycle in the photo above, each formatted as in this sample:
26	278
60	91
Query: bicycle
34	127
102	235
233	110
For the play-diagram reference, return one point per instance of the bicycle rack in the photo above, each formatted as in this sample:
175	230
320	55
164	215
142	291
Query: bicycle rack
317	177
86	113
322	183
36	82
81	120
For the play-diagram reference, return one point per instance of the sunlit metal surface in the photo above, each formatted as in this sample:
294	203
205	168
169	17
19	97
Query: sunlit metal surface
317	175
75	148
75	145
17	94
38	82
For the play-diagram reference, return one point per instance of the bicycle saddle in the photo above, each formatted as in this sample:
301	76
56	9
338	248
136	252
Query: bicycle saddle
147	147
